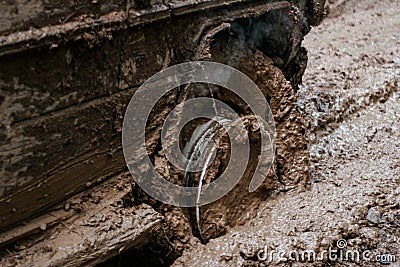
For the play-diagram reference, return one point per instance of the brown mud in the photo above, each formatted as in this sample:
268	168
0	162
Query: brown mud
349	101
350	93
65	86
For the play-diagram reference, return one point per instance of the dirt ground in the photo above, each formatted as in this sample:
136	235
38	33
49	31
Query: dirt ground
350	207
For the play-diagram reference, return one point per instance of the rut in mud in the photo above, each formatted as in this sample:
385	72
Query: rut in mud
350	93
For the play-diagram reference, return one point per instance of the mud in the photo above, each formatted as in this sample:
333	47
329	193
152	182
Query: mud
350	93
65	88
65	85
89	228
347	106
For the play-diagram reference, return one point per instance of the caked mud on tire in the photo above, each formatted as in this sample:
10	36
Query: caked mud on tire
65	87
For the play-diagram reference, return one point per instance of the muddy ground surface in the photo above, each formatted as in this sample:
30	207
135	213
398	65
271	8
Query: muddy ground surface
351	95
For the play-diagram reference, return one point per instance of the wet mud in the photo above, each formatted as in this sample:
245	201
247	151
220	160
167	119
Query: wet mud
65	88
336	176
350	94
